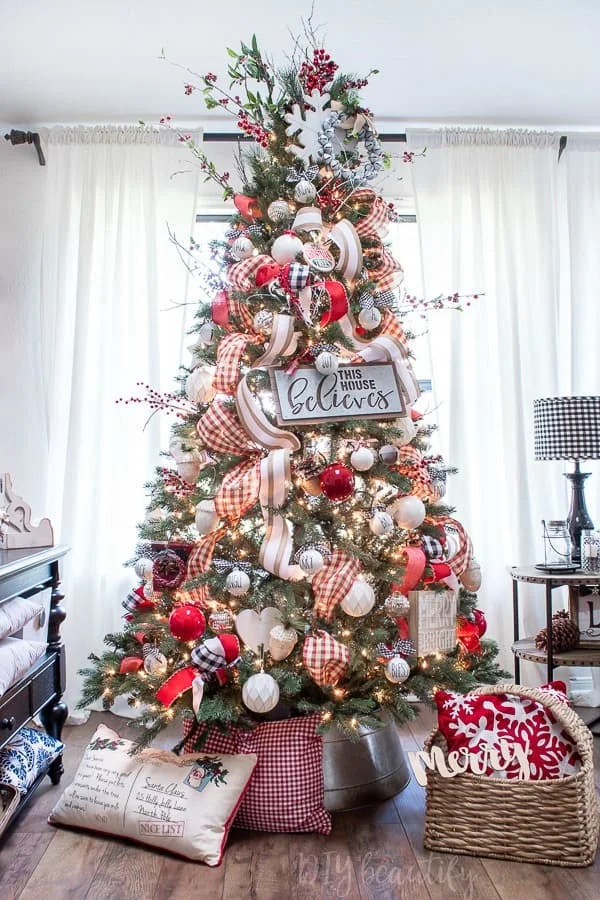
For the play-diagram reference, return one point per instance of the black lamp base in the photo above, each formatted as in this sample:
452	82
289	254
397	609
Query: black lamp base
579	518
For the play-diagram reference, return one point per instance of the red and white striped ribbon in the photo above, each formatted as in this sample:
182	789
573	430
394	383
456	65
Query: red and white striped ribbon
258	426
344	236
461	560
277	546
282	342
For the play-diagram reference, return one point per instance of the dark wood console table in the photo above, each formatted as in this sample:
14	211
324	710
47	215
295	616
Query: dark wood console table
24	573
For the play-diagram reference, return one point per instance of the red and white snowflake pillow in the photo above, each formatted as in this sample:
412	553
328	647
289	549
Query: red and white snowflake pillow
469	722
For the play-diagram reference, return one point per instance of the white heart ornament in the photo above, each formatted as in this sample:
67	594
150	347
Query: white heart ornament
254	628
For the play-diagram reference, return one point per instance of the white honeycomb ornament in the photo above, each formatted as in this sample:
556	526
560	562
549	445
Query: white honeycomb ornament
260	694
307	126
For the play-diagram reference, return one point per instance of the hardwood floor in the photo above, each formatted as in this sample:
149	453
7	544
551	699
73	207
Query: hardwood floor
373	854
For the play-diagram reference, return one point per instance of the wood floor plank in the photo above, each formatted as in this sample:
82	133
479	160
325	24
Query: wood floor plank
67	867
445	875
321	866
181	880
384	864
20	853
125	872
257	866
540	882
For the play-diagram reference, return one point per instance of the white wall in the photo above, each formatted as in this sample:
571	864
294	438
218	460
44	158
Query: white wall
23	444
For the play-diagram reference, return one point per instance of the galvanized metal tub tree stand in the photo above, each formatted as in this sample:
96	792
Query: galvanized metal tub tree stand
368	770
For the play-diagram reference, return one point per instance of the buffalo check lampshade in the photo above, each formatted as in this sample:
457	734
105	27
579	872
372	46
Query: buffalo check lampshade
567	428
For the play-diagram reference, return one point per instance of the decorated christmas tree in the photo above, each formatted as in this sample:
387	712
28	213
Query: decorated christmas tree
297	555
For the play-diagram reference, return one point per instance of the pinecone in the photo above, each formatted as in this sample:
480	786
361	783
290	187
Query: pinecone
565	634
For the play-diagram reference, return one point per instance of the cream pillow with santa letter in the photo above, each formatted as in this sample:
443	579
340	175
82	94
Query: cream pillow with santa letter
184	804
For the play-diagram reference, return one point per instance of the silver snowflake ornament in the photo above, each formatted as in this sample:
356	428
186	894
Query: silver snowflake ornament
307	125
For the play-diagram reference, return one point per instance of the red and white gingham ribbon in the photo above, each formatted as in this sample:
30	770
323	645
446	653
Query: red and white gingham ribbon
331	584
325	659
220	429
462	559
377	220
241	274
199	562
238	491
229	359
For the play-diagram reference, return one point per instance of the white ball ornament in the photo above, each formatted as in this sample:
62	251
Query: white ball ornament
359	600
311	561
389	454
381	523
206	334
286	248
362	459
200	384
305	191
327	363
143	568
242	248
155	662
189	468
408	512
260	693
471	577
206	516
263	320
369	318
237	583
397	670
278	211
282	641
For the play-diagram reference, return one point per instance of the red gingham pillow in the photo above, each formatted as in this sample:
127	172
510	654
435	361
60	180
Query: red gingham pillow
469	721
286	790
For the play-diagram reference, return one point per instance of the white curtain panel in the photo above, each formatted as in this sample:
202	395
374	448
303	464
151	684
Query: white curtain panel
487	206
110	283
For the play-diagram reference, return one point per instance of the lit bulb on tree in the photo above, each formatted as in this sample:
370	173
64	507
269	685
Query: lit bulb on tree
237	583
242	248
369	319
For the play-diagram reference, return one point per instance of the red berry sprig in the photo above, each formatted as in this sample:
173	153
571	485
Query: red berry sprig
172	404
316	74
175	484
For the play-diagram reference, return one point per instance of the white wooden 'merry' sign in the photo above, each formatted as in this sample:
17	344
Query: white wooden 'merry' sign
17	531
432	621
365	391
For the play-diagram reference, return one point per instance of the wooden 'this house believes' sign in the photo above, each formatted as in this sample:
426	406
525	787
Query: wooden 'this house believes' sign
365	391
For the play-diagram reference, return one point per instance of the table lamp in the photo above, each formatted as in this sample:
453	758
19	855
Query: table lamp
569	428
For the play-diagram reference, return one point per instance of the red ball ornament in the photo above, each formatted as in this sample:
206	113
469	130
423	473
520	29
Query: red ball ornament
480	621
337	481
187	623
467	634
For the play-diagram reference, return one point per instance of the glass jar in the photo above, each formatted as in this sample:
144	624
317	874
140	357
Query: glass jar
590	550
557	544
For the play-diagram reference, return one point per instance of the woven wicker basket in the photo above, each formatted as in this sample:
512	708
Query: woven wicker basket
549	822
